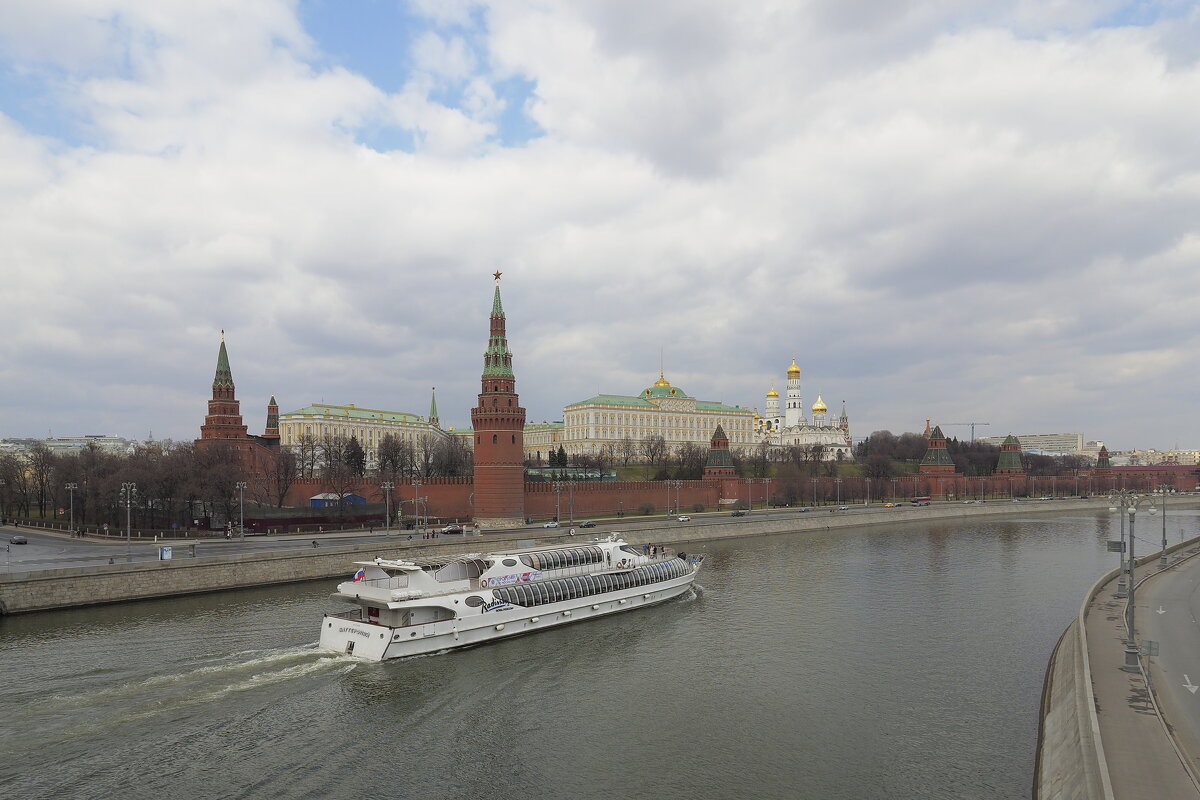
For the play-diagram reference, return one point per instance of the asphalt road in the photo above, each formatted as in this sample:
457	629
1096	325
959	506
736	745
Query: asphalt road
1167	610
57	550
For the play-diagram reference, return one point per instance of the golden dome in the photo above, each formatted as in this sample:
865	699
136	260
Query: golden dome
772	393
793	370
662	381
819	407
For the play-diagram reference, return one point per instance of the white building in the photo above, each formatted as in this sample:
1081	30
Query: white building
608	423
792	428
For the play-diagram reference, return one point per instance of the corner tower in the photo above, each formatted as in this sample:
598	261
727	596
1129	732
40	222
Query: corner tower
224	419
499	423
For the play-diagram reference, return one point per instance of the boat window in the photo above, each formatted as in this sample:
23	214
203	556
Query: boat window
527	561
526	595
509	562
540	595
474	601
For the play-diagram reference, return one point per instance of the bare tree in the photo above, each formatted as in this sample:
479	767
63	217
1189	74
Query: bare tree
654	449
308	452
281	476
628	450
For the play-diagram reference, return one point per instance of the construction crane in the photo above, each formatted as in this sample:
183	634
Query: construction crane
972	424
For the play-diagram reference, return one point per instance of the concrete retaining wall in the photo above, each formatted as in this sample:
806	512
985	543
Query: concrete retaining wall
42	590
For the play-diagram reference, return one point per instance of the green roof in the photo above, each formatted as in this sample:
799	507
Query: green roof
353	412
642	402
543	426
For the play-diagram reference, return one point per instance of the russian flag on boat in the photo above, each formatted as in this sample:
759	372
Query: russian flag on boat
358	576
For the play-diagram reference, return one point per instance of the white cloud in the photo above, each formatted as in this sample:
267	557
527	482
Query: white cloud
982	214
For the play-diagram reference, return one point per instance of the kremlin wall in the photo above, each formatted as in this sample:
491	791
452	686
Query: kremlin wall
497	496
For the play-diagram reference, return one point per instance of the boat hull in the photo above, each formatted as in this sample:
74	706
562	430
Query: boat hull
376	642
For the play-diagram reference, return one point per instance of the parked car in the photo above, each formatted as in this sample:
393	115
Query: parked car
804	509
889	505
738	514
843	508
684	518
551	524
452	529
18	539
588	524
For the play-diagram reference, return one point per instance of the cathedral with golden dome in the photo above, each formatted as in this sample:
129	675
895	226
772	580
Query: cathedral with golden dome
789	427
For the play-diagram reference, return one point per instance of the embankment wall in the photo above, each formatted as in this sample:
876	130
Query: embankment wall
42	590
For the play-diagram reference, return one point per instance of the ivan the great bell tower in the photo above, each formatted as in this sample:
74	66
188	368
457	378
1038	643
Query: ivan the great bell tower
499	423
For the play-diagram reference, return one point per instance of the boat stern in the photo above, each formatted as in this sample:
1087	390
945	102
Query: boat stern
365	640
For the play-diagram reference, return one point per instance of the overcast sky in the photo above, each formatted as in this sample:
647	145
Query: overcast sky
969	211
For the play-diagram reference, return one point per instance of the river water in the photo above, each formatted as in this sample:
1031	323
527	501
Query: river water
864	663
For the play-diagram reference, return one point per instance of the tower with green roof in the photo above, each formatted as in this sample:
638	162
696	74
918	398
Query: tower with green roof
224	418
720	460
1010	457
937	459
498	422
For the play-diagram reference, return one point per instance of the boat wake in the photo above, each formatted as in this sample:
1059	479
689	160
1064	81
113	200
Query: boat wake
211	680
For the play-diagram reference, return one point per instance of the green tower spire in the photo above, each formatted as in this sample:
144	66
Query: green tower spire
224	377
497	360
433	415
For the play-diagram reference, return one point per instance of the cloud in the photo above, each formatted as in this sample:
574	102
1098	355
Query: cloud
964	213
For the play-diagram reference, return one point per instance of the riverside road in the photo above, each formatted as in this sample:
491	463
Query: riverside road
55	550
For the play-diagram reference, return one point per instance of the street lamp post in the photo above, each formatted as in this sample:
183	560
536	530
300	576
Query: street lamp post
571	501
128	490
387	487
416	505
894	490
558	500
838	482
749	496
71	487
241	487
1127	503
1162	561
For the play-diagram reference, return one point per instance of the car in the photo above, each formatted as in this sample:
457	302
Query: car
18	539
684	518
452	529
738	514
551	524
889	505
803	510
587	524
1044	497
843	508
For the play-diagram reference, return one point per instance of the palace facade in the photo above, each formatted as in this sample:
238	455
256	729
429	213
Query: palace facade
320	421
611	424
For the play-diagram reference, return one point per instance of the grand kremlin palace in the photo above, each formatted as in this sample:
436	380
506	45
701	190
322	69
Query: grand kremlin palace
601	424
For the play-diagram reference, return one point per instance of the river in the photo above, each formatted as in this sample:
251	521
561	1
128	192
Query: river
865	663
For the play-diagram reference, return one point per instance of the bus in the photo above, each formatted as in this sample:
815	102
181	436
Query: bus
921	501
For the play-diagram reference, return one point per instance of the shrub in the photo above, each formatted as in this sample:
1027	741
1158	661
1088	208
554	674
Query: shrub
697	507
646	509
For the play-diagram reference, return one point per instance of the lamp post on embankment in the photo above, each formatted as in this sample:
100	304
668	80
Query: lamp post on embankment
387	487
241	487
1126	503
128	491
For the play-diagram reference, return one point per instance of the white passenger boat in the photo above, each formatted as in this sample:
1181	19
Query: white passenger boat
409	607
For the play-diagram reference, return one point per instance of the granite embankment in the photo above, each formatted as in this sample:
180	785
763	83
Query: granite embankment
1071	756
49	589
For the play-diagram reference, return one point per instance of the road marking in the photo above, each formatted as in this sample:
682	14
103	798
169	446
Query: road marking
1160	610
1187	684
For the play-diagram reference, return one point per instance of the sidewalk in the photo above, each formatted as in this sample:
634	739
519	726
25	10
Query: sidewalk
1142	761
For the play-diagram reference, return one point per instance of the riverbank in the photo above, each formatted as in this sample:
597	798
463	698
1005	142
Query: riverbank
44	590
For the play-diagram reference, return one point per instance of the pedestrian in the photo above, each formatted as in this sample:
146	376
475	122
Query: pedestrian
645	549
314	543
